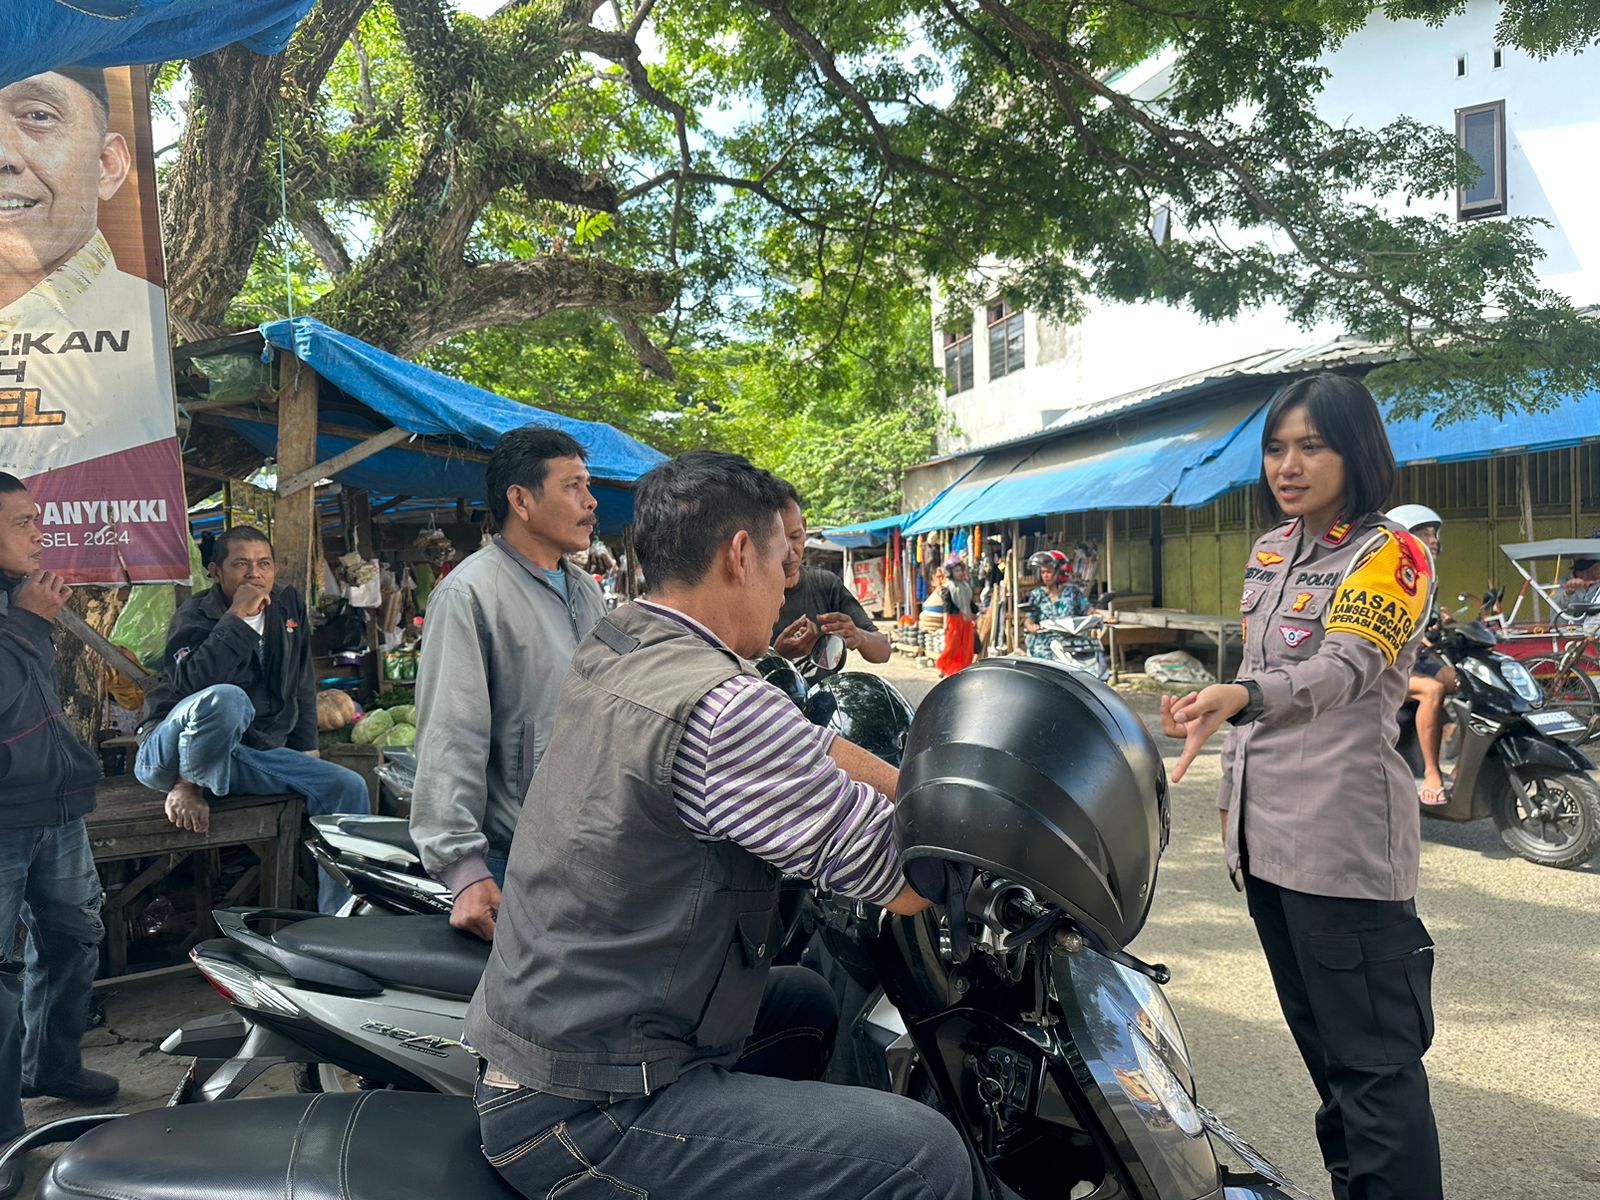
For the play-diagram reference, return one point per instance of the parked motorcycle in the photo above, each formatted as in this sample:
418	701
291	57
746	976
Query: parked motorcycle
1510	761
376	860
370	1003
1019	1014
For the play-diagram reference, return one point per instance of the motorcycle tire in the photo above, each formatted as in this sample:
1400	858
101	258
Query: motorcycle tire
314	1078
1578	800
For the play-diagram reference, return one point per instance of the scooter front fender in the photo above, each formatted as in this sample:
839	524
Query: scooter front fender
1528	750
1252	1187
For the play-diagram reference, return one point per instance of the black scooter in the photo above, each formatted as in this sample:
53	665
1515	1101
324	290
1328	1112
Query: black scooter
1510	763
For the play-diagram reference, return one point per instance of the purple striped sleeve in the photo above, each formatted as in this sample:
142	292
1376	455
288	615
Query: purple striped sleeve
752	770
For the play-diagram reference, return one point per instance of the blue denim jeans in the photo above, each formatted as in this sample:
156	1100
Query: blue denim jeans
199	740
47	876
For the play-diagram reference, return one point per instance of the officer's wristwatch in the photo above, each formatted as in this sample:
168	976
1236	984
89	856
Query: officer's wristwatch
1253	706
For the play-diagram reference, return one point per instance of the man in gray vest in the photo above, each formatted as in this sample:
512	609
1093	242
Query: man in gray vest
631	1028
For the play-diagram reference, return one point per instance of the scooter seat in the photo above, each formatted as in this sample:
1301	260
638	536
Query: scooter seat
344	1146
409	951
394	832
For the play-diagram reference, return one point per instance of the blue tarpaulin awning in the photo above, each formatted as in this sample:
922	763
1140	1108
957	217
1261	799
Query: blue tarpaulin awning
43	34
868	533
453	413
1414	440
1135	463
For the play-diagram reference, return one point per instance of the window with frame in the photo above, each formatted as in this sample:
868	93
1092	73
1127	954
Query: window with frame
957	360
1481	132
1006	342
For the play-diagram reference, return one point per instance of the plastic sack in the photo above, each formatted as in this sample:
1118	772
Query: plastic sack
142	625
1177	667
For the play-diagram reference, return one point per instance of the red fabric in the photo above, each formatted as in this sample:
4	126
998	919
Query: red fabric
958	642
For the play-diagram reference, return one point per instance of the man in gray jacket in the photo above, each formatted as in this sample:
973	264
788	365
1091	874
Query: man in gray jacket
497	644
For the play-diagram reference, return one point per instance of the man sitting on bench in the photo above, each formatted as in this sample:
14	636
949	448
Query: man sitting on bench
235	712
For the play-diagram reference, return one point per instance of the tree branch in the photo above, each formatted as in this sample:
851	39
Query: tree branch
651	357
324	242
509	293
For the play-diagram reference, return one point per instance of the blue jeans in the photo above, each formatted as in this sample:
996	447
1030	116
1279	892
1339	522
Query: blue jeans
199	740
47	876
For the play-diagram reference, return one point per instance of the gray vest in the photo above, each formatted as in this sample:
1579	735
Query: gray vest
626	950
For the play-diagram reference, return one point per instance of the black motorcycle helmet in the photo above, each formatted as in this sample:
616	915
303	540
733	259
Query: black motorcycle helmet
781	673
1046	777
866	709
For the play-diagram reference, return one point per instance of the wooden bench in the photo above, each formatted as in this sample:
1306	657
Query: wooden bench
130	822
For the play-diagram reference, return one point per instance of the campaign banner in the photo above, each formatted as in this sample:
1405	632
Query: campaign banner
86	402
867	582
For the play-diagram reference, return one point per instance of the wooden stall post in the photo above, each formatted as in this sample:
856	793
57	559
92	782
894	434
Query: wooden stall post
295	514
1014	579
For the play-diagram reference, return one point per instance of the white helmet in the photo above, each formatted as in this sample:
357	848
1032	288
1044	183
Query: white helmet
1414	516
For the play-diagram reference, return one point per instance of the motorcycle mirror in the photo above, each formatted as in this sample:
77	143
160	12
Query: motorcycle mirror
829	652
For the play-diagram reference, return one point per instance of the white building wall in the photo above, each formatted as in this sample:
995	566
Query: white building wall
1386	70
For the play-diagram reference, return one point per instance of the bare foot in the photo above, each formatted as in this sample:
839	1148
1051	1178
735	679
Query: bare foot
187	808
1432	792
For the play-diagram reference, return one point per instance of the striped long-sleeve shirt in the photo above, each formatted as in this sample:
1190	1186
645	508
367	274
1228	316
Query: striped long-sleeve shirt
752	770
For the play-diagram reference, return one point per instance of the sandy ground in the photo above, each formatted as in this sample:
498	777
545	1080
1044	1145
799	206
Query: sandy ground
1517	995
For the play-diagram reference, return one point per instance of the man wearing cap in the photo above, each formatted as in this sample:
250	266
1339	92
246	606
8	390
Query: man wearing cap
1584	586
60	290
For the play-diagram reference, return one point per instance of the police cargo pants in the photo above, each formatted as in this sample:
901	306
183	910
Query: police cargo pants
1355	980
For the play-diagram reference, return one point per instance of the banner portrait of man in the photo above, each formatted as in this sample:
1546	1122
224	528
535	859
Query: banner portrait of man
86	402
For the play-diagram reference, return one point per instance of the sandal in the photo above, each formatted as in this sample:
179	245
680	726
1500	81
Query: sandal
1432	796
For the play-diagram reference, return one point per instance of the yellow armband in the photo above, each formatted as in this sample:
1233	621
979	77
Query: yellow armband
1385	594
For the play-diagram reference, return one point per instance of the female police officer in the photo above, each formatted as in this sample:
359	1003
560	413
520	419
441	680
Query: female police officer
1318	809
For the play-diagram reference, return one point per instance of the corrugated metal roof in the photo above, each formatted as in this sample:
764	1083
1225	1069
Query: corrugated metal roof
1266	364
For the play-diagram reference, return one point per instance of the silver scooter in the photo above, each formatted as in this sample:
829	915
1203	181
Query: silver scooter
375	1002
1075	643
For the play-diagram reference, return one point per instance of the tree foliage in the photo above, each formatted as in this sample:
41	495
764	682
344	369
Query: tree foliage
716	221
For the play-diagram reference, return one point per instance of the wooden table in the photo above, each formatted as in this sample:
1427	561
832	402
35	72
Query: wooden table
1223	631
130	822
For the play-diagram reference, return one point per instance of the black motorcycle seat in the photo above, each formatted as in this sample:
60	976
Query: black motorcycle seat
410	951
336	1146
389	831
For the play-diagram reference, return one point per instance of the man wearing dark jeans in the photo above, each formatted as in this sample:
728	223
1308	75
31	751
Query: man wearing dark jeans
632	1032
47	779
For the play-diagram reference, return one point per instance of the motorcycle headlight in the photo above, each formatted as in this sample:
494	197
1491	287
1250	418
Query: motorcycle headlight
1521	679
1155	1018
1483	673
1154	1087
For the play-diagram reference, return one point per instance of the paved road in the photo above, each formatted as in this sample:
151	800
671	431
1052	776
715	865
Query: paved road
1515	1065
1517	999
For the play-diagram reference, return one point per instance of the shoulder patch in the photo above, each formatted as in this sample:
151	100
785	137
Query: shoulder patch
1384	596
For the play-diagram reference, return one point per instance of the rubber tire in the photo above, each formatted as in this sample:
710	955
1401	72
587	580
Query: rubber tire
314	1078
1574	691
1584	792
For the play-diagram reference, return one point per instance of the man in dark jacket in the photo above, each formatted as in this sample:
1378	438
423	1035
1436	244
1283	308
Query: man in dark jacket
47	779
236	709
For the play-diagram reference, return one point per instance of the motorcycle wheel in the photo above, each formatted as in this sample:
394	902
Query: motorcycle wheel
1564	829
1571	690
312	1078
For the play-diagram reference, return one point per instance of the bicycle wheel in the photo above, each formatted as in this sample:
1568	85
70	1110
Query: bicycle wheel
1571	689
